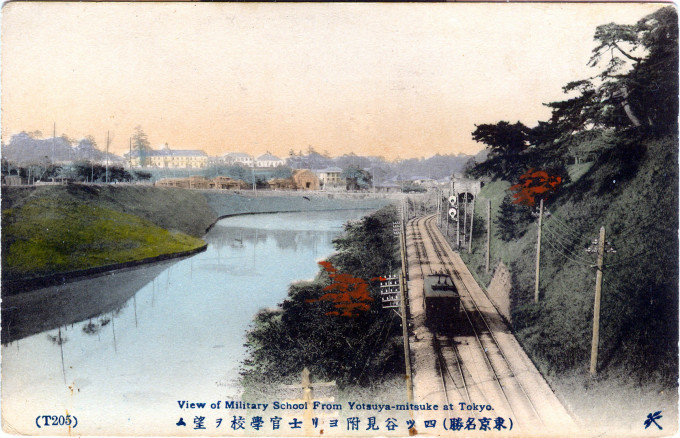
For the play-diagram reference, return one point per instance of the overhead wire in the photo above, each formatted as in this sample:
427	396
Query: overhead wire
563	241
647	221
567	228
580	262
627	231
567	240
627	259
567	252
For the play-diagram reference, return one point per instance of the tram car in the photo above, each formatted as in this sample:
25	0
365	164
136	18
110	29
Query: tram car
442	301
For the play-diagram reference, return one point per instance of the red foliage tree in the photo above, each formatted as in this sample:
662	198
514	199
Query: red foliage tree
533	185
349	295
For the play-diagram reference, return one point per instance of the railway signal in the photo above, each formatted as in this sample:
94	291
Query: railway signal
389	292
396	228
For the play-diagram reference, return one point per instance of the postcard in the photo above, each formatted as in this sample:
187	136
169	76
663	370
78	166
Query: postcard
386	219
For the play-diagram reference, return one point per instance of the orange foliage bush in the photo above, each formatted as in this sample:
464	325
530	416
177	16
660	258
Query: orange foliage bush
349	295
534	184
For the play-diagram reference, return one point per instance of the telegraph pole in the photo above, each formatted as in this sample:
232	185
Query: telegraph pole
404	318
107	157
465	219
538	251
488	232
458	211
596	311
54	136
446	213
443	207
472	220
439	215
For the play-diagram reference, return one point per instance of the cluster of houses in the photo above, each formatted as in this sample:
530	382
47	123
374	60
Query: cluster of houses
200	182
302	179
327	179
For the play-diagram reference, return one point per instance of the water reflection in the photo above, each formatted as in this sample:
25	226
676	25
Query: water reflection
302	240
51	307
163	331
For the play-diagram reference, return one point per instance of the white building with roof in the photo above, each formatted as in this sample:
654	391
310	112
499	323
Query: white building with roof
239	159
269	160
330	178
169	158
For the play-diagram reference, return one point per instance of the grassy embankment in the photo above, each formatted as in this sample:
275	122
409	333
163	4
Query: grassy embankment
50	230
57	229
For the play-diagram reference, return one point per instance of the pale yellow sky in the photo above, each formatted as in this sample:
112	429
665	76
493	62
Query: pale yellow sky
398	80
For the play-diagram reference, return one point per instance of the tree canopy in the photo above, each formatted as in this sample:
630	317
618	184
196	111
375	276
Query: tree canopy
633	95
503	138
357	178
637	86
140	143
334	325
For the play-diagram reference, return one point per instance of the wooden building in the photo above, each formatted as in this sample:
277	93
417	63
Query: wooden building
305	179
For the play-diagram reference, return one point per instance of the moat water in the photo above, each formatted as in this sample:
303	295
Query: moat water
179	337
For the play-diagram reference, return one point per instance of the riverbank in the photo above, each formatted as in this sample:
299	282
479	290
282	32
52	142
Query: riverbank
54	234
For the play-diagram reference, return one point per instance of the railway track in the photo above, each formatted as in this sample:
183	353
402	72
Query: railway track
464	380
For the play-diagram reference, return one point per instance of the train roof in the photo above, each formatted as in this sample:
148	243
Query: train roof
440	285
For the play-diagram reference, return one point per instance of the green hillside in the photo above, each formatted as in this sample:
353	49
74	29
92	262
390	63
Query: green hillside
48	237
611	152
636	202
55	229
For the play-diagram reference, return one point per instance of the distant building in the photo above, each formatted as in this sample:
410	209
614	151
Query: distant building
305	180
282	184
424	181
11	180
239	159
199	182
192	182
224	182
387	187
169	158
269	160
302	179
329	178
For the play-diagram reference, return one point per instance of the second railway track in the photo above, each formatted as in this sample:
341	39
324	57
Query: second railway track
482	373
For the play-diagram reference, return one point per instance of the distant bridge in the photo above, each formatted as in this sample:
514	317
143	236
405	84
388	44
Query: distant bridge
462	186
